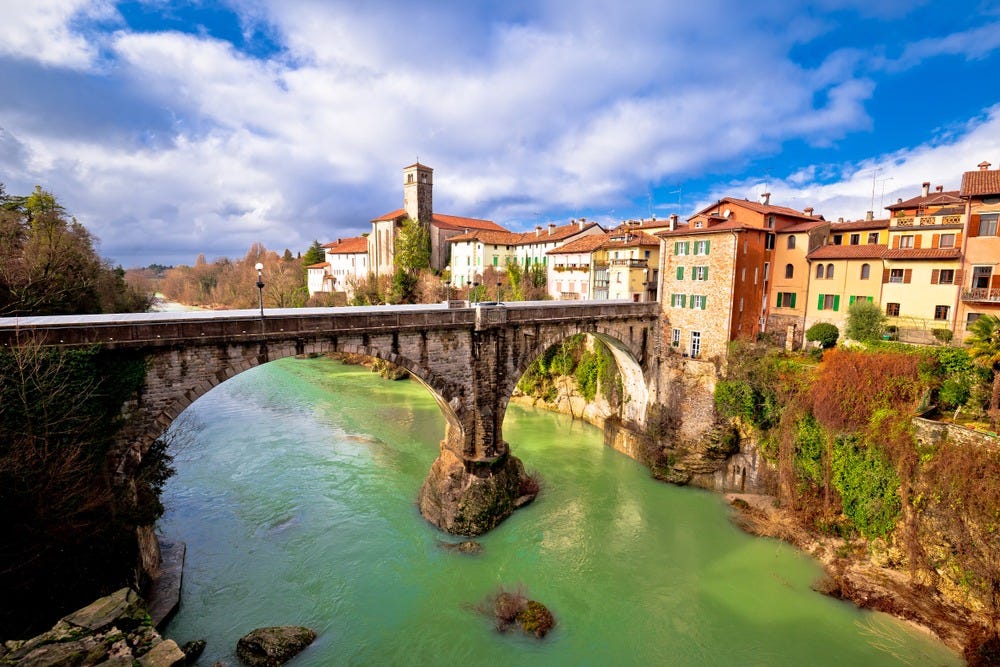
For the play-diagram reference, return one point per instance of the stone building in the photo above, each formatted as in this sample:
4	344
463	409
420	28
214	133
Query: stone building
979	277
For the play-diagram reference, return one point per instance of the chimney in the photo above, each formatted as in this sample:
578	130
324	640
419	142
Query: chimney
808	210
765	199
552	227
983	166
581	223
938	188
538	230
899	200
869	215
925	188
673	221
840	219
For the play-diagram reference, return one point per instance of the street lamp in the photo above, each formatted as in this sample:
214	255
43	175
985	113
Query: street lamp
260	287
472	294
447	291
498	291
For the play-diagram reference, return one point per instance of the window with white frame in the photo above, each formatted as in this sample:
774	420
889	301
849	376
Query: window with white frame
675	340
695	344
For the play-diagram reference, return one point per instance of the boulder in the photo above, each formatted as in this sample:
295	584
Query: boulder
194	649
165	654
123	608
270	647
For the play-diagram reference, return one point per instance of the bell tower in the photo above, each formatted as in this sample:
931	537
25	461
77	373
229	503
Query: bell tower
418	198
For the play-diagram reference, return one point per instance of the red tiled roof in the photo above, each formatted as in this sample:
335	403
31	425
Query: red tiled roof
632	240
392	215
417	164
923	253
869	251
557	234
588	243
858	225
980	183
932	199
458	222
352	246
759	208
321	265
727	226
490	236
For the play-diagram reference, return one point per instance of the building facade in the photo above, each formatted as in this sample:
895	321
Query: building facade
979	278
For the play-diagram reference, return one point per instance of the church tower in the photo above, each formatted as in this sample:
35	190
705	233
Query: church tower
417	193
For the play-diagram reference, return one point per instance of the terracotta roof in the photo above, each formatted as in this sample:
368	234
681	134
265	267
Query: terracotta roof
760	208
321	265
392	215
417	164
557	234
858	225
458	222
923	253
727	226
932	199
980	183
869	251
588	243
633	240
490	236
802	227
352	246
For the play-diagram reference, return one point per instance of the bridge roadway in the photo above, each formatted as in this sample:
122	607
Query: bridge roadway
469	357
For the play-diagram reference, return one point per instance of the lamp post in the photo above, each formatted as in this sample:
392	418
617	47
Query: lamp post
260	287
472	294
447	292
498	291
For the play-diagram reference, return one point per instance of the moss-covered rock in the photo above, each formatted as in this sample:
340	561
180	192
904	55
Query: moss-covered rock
535	618
273	646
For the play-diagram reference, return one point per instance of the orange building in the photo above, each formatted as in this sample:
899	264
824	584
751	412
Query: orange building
790	284
716	273
979	277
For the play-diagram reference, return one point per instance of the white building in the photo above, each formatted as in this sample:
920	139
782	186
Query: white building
569	267
471	253
346	261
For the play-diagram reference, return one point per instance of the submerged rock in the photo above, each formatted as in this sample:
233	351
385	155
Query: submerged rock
466	547
535	618
273	646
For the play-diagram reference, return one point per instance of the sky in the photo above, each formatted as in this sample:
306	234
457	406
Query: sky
173	129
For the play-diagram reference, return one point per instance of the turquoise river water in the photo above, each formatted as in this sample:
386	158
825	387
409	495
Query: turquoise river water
295	493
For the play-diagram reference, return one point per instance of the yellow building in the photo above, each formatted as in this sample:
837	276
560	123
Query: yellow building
979	278
921	271
626	265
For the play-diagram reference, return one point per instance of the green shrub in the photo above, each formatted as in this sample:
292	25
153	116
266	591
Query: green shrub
823	333
865	321
942	335
867	484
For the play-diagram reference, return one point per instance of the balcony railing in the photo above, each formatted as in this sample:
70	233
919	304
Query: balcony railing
926	220
631	263
991	294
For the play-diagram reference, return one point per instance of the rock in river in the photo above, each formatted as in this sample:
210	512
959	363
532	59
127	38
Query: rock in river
270	647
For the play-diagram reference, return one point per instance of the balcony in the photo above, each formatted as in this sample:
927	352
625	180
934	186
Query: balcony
927	221
630	263
982	294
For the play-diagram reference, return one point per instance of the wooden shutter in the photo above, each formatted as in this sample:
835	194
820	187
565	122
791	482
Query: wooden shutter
917	238
936	241
684	299
995	281
792	303
959	276
708	244
958	240
895	242
676	243
935	275
885	276
706	271
850	302
680	273
973	226
704	302
836	302
907	275
871	299
819	306
687	247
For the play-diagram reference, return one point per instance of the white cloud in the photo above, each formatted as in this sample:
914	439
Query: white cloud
41	30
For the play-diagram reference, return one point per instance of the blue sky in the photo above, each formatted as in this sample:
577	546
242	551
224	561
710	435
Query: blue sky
177	128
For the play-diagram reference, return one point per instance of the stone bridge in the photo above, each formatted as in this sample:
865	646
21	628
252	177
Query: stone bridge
469	358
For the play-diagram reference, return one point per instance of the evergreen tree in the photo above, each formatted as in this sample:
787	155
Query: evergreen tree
314	255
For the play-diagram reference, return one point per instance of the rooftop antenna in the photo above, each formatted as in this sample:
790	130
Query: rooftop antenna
874	174
679	192
881	201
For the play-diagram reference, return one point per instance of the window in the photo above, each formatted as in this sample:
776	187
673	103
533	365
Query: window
941	312
678	301
681	247
981	277
970	318
743	274
786	300
698	301
892	309
769	242
741	304
820	271
861	298
496	260
838	239
700	273
647	254
701	247
896	275
872	237
943	277
828	302
866	271
695	344
906	241
767	271
791	241
789	271
947	241
680	273
855	239
675	339
770	222
745	243
988	224
829	271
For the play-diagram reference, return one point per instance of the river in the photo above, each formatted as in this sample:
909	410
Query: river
295	493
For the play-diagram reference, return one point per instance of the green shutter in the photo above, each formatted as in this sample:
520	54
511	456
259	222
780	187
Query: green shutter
836	302
819	306
687	247
777	304
708	244
676	246
684	300
704	302
680	273
871	299
851	303
706	271
791	303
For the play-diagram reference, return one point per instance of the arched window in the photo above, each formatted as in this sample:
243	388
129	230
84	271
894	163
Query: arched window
829	270
819	270
789	270
791	241
866	271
